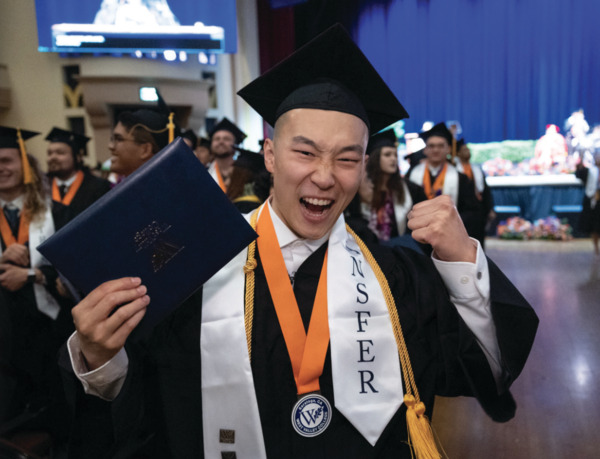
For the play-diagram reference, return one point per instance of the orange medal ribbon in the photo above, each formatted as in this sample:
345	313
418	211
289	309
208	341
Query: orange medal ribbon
220	178
66	200
438	185
7	235
307	350
468	171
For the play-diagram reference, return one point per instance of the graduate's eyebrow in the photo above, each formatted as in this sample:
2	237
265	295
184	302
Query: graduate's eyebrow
300	139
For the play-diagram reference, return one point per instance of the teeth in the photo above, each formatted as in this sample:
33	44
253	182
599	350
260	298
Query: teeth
318	202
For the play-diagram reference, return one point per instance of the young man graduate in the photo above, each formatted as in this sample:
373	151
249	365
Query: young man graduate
73	186
223	138
308	343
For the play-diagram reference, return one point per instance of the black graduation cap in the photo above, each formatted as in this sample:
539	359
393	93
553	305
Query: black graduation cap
328	73
460	143
154	122
439	130
250	160
385	138
9	139
204	142
74	140
226	125
191	136
415	158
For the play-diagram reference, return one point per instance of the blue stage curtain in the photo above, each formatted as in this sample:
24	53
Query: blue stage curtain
503	68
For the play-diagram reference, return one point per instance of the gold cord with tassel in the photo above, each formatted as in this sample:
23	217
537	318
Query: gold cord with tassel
27	175
421	439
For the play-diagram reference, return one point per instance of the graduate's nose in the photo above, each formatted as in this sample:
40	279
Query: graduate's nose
322	176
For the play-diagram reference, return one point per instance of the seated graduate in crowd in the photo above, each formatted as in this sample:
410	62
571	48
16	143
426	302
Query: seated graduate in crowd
240	375
74	187
199	145
438	177
224	136
589	220
34	319
250	181
482	191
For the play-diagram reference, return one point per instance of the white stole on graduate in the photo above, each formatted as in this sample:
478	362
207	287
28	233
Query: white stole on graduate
40	229
212	170
401	210
368	390
450	181
478	176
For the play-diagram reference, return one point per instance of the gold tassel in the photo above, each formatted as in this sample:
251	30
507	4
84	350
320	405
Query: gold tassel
419	430
27	175
171	127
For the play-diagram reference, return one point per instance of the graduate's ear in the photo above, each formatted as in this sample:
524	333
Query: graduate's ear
145	151
269	152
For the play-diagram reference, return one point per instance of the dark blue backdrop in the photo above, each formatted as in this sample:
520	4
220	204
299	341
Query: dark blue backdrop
503	68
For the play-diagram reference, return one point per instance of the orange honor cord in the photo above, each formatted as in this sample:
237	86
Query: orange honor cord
307	351
7	235
438	185
220	178
66	200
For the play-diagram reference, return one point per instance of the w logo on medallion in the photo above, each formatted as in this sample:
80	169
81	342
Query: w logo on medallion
311	415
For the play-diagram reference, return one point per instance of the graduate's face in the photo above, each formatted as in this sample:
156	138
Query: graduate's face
221	144
388	160
61	162
317	160
126	153
11	171
464	153
436	150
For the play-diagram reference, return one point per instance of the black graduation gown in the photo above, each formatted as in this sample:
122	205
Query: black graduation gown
91	189
589	219
159	408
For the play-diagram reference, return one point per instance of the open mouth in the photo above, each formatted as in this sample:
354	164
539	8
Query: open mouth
316	206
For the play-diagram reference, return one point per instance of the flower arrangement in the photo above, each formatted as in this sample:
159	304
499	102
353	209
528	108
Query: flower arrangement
549	228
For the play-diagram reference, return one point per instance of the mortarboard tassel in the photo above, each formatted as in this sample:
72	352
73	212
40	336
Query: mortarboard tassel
27	175
171	127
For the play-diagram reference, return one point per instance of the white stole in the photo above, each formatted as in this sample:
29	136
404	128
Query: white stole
40	229
478	176
212	170
450	187
368	391
401	210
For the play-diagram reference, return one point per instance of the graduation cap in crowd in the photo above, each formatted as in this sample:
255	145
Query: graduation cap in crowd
382	139
460	143
15	138
203	142
76	141
254	162
226	125
439	130
328	73
160	126
191	136
415	158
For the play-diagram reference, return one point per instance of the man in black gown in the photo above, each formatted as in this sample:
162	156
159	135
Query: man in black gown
74	188
199	389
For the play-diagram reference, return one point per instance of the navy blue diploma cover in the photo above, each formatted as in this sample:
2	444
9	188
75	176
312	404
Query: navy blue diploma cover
168	223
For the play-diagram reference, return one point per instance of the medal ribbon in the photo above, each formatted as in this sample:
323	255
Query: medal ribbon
66	200
220	178
467	170
7	235
307	350
437	185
